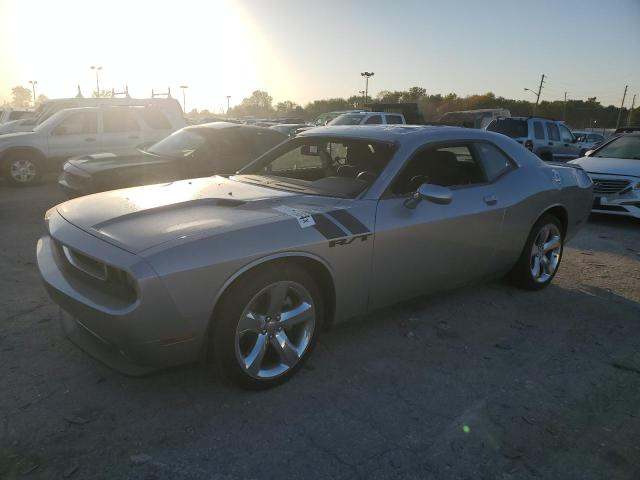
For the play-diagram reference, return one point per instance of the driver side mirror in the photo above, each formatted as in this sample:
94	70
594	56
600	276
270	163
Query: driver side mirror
433	193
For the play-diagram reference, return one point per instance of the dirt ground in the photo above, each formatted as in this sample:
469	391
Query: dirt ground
487	382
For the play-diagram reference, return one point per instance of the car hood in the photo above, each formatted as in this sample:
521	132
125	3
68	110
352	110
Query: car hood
139	218
102	162
15	138
15	126
610	166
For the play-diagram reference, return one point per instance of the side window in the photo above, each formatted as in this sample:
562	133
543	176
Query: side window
448	166
552	131
394	119
538	130
80	123
115	121
373	120
494	161
156	119
595	138
263	141
565	134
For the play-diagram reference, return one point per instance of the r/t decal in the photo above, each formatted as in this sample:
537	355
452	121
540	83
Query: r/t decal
348	241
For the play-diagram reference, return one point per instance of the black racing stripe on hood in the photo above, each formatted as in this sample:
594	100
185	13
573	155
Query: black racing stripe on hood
214	202
349	221
327	228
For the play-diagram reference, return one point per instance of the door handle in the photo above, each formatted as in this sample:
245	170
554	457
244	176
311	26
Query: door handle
490	199
90	139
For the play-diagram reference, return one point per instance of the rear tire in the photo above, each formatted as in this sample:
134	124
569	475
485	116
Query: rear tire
541	255
266	326
22	169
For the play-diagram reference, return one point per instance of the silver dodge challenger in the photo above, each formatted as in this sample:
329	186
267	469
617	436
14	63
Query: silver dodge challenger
246	270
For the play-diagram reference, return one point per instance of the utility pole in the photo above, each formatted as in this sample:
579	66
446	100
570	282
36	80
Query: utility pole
366	76
633	104
228	97
97	69
33	87
564	108
624	95
364	100
184	103
537	94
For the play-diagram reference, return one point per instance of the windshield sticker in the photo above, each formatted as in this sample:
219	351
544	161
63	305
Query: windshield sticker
304	218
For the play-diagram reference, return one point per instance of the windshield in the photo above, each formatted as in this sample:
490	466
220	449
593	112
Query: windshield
321	166
626	146
510	127
347	120
179	144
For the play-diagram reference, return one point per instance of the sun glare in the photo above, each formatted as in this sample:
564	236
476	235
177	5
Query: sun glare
210	46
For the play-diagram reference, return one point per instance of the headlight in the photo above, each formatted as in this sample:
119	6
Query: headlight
582	178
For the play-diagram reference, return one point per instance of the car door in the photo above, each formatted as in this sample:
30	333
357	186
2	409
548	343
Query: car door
433	246
553	137
121	132
75	134
568	149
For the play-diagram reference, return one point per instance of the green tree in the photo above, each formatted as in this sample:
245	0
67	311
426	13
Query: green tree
21	96
259	104
289	108
317	107
41	99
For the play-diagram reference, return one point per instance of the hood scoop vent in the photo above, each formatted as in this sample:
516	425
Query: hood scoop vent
199	202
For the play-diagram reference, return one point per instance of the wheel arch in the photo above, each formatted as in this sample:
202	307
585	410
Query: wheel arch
314	265
32	151
560	212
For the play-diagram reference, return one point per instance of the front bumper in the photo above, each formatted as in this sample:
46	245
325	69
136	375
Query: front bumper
625	201
134	337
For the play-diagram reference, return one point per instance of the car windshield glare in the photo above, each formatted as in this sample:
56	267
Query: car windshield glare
323	166
179	144
347	120
626	146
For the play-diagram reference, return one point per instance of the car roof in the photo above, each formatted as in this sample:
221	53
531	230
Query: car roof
227	125
382	133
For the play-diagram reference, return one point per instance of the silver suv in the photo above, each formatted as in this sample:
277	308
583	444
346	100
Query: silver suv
549	139
25	156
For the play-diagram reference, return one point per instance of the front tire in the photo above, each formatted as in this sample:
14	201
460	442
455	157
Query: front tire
22	170
541	255
266	326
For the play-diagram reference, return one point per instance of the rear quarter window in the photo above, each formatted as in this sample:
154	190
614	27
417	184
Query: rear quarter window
510	127
538	130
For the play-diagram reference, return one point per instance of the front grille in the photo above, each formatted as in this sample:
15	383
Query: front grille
608	187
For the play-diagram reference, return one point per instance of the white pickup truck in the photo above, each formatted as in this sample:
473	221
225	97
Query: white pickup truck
368	118
25	156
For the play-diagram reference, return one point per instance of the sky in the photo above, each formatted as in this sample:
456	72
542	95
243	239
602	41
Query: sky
304	50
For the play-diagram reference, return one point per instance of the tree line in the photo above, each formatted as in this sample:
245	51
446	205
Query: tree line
577	113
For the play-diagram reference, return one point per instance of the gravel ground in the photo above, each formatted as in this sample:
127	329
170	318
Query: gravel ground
484	382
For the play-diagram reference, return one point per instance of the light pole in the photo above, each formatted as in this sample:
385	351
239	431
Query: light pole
228	98
97	70
33	88
366	76
362	92
537	94
184	103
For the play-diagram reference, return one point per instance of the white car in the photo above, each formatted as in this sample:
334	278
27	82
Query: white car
614	169
25	156
368	118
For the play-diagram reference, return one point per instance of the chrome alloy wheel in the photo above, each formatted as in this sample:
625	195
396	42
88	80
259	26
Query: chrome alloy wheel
275	330
22	171
545	253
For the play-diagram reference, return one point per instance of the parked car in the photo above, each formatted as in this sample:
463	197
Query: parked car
324	118
474	118
328	226
169	106
615	170
13	114
196	151
368	118
549	139
290	129
588	140
25	156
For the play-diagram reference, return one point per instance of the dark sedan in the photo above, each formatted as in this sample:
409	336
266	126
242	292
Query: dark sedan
196	151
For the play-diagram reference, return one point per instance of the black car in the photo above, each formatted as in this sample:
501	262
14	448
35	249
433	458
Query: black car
195	151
